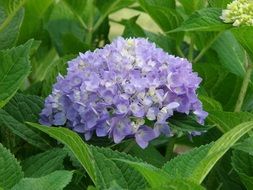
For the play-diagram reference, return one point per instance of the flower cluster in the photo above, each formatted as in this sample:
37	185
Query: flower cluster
239	12
116	91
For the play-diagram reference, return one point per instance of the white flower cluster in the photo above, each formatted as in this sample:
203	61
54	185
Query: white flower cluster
239	12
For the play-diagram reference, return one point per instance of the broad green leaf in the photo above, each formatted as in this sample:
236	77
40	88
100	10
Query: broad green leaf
162	3
223	176
14	68
56	68
186	123
109	6
206	19
44	163
242	164
131	28
94	161
154	176
183	165
217	83
150	154
133	179
191	6
65	30
209	103
228	120
32	25
158	179
220	147
10	170
54	181
166	18
245	145
25	107
178	184
11	17
205	157
93	16
230	53
165	42
103	175
75	144
219	3
244	36
21	130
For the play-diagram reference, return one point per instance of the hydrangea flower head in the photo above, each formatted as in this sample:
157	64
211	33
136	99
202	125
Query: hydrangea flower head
116	91
239	12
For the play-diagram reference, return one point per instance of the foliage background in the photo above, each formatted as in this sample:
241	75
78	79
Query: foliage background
37	38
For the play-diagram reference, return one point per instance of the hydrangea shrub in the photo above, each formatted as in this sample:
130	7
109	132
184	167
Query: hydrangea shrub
113	91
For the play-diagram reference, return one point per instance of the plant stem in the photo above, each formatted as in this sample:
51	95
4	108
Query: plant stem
203	51
245	84
179	51
191	48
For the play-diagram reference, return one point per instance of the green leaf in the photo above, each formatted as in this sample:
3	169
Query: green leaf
219	3
109	6
220	147
11	17
10	170
21	130
132	178
104	176
174	184
65	30
44	163
230	53
166	18
209	103
154	176
191	6
206	19
242	164
217	83
158	179
244	36
56	68
150	154
131	28
14	68
245	145
32	25
228	120
206	156
25	107
186	123
74	143
183	165
95	161
54	181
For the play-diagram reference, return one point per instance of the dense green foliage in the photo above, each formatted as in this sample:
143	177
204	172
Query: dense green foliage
37	38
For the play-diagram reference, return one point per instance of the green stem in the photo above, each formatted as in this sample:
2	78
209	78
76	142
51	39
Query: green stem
179	51
90	28
191	48
203	51
245	84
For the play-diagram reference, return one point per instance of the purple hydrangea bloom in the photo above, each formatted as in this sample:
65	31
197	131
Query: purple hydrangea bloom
114	90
